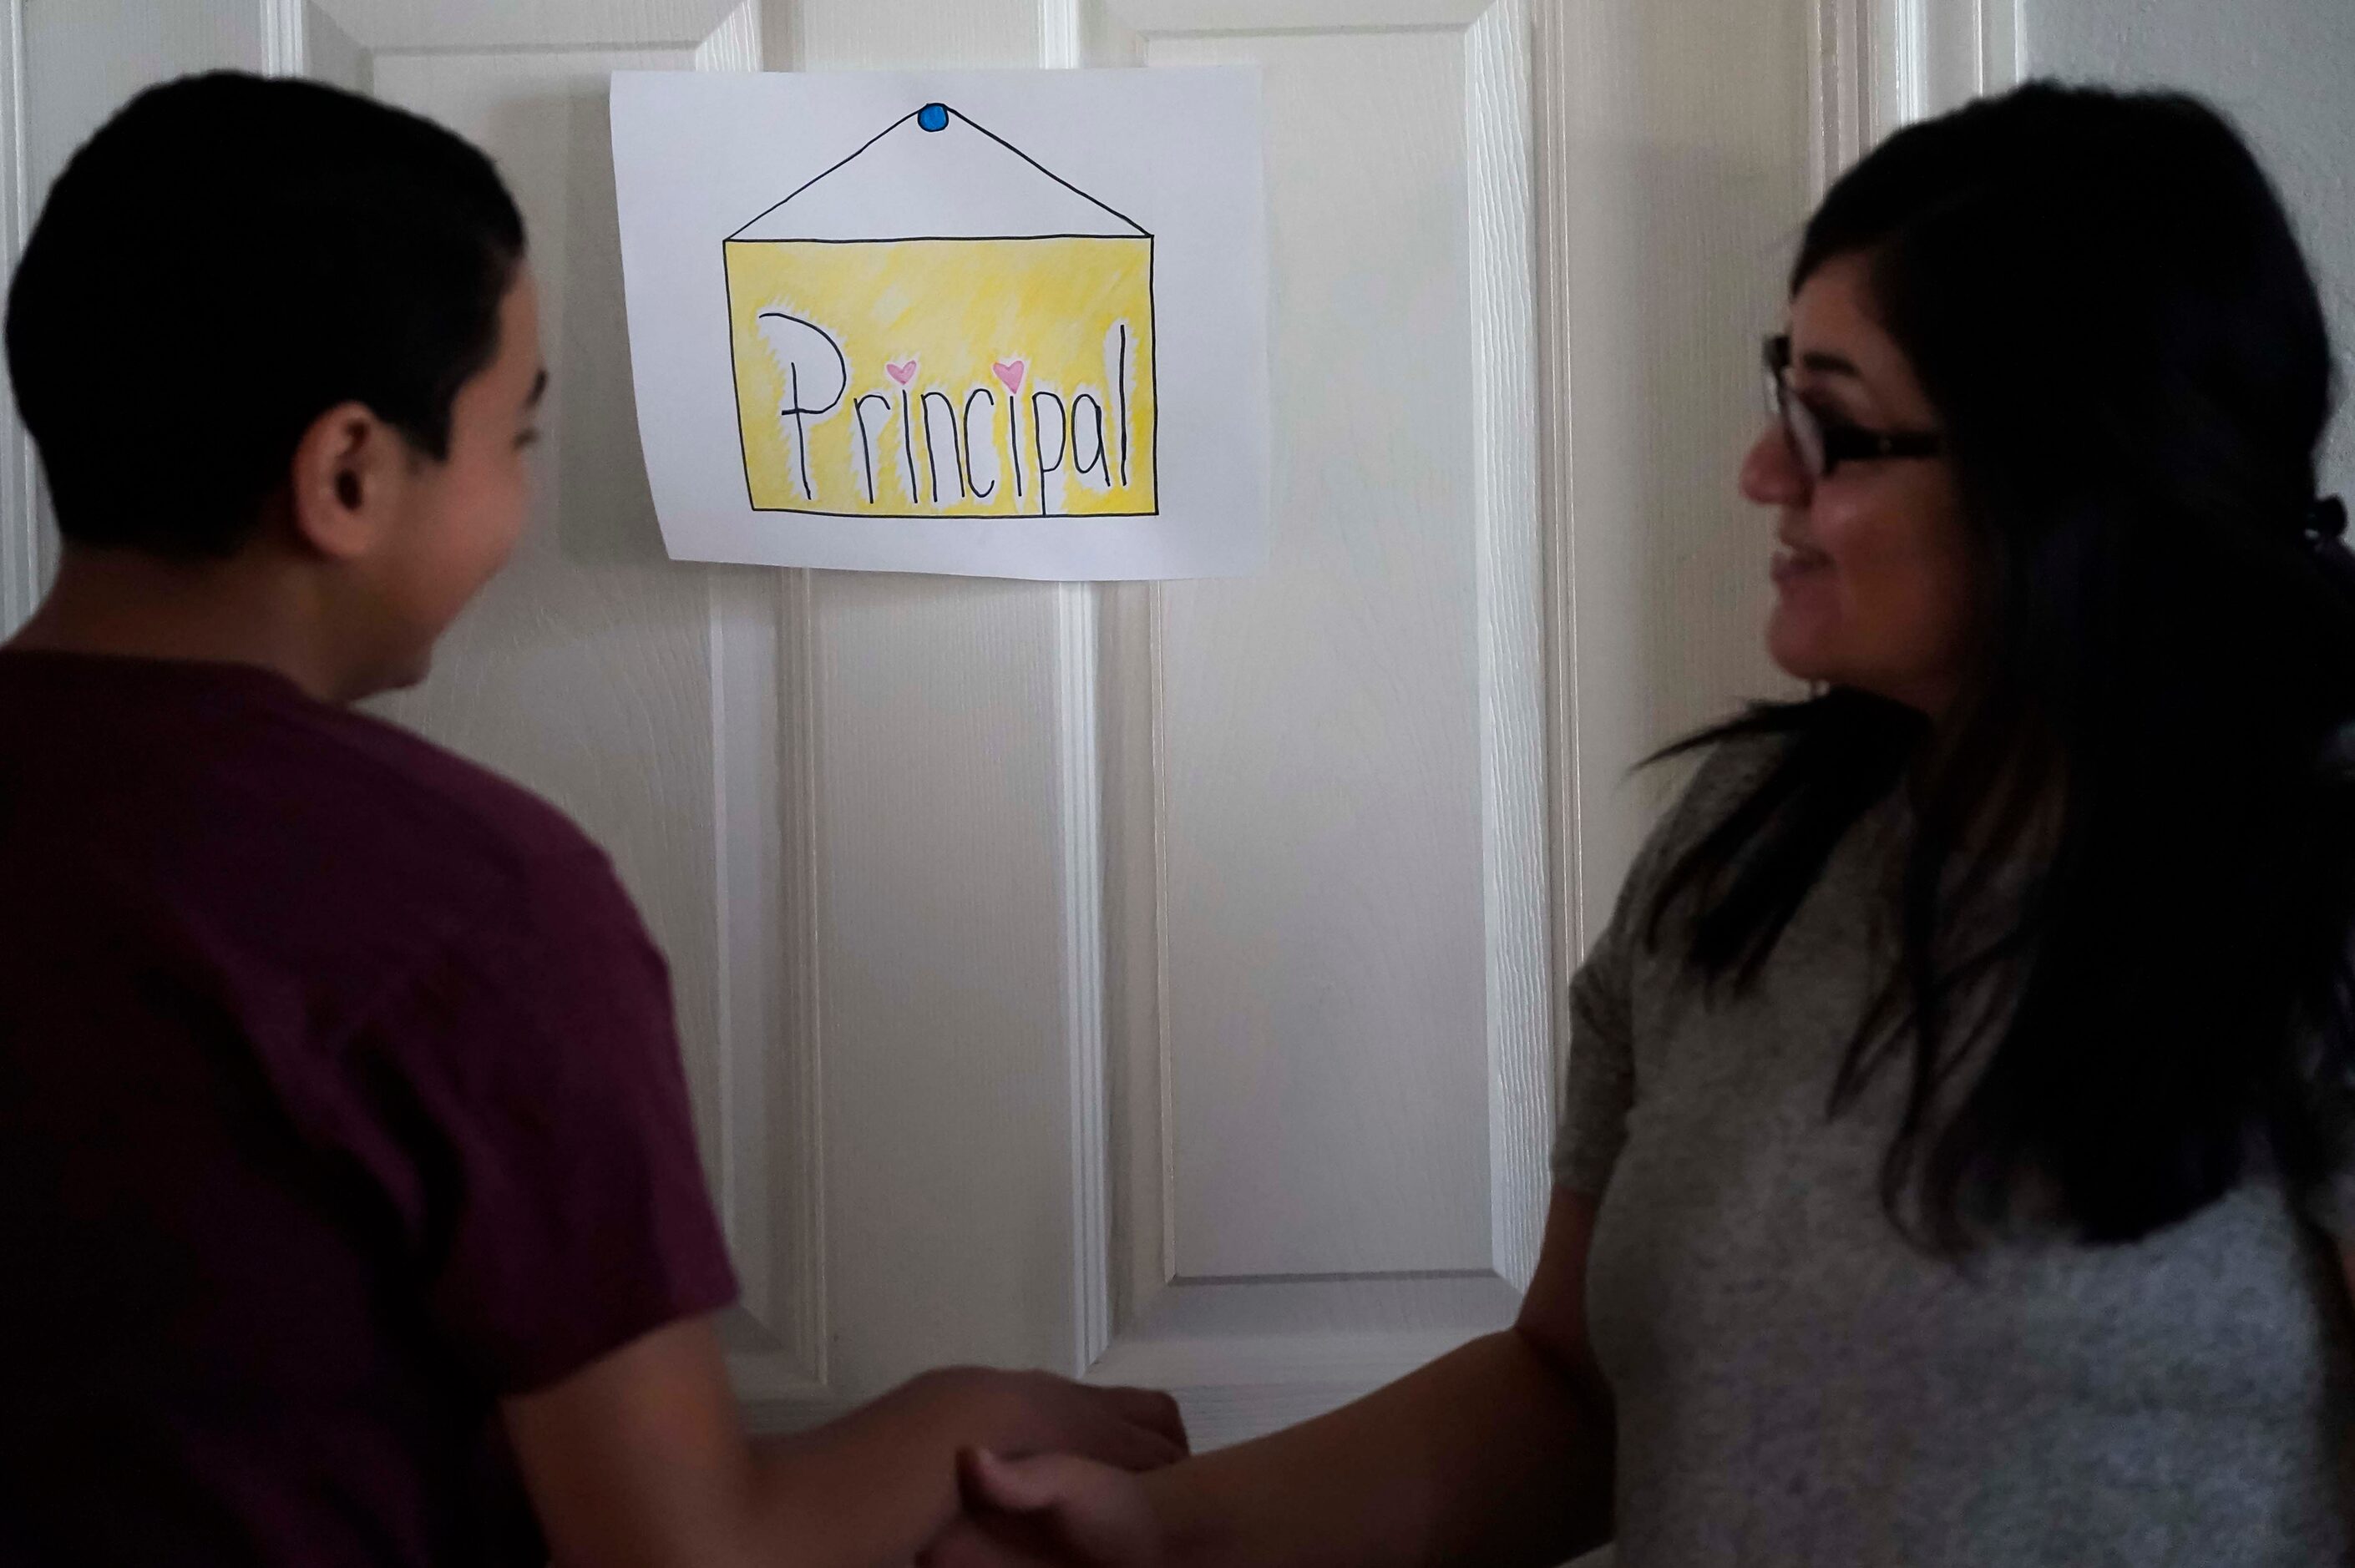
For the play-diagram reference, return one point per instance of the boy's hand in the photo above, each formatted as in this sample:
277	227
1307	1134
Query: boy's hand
1032	1413
640	1458
1054	1510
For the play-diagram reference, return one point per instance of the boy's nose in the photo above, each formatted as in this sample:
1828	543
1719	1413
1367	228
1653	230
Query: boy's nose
1772	474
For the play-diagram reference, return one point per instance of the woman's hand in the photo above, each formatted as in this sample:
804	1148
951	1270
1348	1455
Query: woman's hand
1051	1510
1499	1455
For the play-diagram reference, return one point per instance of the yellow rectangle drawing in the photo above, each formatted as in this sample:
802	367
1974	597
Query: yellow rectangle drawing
888	364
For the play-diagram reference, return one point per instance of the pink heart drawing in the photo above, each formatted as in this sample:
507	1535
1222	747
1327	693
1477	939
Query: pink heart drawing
1010	371
904	372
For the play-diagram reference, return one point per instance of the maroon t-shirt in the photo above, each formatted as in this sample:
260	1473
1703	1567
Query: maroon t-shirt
338	1096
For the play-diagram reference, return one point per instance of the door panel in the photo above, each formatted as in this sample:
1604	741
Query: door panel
1333	881
939	949
1327	1030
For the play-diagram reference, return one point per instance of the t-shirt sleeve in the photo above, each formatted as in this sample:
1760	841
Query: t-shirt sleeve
1599	1085
1599	1082
2330	1204
2330	1201
530	1076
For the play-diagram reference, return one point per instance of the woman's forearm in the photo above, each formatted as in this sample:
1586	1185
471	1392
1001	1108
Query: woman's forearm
1490	1456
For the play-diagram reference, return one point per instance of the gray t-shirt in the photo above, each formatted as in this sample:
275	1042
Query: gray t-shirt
1796	1383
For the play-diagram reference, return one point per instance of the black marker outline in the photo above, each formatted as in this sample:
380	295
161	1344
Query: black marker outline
965	418
1014	439
1102	464
727	289
1062	447
1153	378
928	238
1138	229
827	170
866	451
956	445
794	378
1144	341
908	445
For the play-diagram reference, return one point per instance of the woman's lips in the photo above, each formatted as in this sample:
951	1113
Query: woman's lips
1793	562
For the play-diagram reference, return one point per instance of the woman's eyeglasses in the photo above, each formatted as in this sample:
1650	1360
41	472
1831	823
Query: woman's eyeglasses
1821	444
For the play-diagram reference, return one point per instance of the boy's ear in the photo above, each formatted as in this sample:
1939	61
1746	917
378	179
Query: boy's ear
348	474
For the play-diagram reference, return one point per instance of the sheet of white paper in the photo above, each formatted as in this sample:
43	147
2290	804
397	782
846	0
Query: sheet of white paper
1003	323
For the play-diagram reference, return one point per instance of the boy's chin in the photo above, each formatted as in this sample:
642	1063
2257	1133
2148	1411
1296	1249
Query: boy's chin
411	672
396	676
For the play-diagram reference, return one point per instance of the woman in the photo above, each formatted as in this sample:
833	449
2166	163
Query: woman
1953	1167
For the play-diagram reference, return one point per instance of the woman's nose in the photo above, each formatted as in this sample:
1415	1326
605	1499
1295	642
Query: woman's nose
1772	474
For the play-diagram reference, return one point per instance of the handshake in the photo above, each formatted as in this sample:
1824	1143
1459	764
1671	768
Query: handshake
1495	1456
1065	1486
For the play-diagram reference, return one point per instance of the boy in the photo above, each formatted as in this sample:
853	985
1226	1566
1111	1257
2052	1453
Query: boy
344	1164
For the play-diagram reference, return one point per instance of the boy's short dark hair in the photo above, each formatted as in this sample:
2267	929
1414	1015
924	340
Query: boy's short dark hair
225	259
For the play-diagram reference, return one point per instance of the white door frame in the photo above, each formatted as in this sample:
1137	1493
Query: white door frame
1880	63
23	565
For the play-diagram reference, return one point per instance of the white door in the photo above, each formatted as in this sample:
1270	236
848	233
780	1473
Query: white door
1151	981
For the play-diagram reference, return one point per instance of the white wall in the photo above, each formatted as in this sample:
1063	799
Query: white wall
1677	184
94	53
2285	70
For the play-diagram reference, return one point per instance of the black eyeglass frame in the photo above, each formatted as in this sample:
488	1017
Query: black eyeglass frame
1823	445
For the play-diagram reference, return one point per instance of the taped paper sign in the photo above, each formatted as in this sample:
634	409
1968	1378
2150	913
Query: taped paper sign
1007	324
884	369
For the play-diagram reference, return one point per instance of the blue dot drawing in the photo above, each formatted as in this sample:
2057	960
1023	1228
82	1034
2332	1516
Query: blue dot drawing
933	116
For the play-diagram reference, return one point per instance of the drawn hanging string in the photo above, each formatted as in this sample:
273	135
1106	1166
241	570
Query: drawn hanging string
816	376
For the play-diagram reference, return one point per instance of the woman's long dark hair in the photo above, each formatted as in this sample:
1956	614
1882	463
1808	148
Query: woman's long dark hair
2103	300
